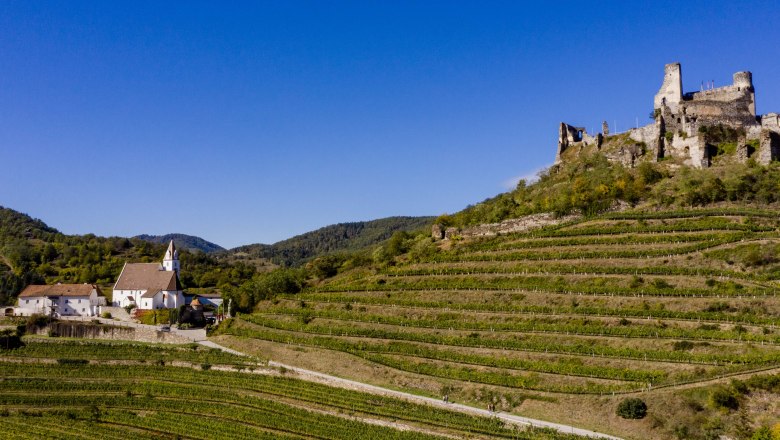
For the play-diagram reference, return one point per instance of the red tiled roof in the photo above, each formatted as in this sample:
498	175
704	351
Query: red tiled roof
60	290
147	276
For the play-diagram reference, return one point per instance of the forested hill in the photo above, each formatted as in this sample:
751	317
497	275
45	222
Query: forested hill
183	241
342	237
32	252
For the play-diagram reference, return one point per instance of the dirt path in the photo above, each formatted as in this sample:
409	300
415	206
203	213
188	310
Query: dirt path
326	379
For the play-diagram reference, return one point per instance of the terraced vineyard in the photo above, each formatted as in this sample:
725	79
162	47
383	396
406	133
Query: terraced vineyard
626	304
85	390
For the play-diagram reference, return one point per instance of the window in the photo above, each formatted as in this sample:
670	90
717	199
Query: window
27	301
83	310
79	301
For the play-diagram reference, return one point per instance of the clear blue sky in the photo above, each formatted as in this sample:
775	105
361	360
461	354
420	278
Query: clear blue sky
253	122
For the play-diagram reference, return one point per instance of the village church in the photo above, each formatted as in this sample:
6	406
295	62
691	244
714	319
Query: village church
150	285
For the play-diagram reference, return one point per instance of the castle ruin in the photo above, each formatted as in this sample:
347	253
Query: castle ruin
684	124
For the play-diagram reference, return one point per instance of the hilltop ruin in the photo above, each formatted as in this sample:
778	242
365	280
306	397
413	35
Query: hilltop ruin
692	127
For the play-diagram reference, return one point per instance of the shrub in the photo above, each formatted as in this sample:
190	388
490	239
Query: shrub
94	413
739	386
632	408
662	284
72	361
106	315
762	433
37	321
205	366
636	282
683	345
722	398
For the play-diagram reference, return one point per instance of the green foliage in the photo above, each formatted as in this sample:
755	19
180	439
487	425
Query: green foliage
265	286
632	408
590	185
10	339
683	345
326	266
724	398
763	433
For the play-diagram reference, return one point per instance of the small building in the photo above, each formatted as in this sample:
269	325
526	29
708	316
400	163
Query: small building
208	299
150	286
61	300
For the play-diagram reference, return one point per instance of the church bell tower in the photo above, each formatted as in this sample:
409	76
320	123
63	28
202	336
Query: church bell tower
171	259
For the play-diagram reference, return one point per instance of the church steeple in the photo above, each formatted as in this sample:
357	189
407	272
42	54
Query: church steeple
171	259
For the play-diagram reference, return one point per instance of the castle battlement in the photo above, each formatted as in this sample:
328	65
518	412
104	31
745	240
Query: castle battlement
681	121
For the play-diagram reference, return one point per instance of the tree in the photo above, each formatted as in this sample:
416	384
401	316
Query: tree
632	408
326	266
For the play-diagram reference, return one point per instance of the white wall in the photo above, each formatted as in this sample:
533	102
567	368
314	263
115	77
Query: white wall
65	306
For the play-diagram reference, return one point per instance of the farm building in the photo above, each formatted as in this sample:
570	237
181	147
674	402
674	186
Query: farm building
61	300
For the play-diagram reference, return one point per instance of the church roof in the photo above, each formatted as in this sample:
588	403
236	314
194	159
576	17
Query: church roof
60	290
150	293
147	276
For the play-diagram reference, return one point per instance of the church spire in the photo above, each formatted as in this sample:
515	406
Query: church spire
171	259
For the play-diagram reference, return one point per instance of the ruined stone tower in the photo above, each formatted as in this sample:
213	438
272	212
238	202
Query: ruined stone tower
682	121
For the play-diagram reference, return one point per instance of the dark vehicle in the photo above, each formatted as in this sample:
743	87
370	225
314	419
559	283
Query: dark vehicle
165	328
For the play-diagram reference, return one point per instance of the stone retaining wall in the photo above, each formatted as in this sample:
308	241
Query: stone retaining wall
101	331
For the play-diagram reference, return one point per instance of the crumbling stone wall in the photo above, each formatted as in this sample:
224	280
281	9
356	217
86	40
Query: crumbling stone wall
437	232
525	223
769	147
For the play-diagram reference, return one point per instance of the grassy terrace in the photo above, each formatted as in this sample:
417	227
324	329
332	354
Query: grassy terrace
606	306
97	398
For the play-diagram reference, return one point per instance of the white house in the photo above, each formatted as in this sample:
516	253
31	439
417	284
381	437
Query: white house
150	285
61	300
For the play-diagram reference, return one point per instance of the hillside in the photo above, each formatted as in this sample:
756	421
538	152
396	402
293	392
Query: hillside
50	392
32	252
183	241
664	290
591	185
342	237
